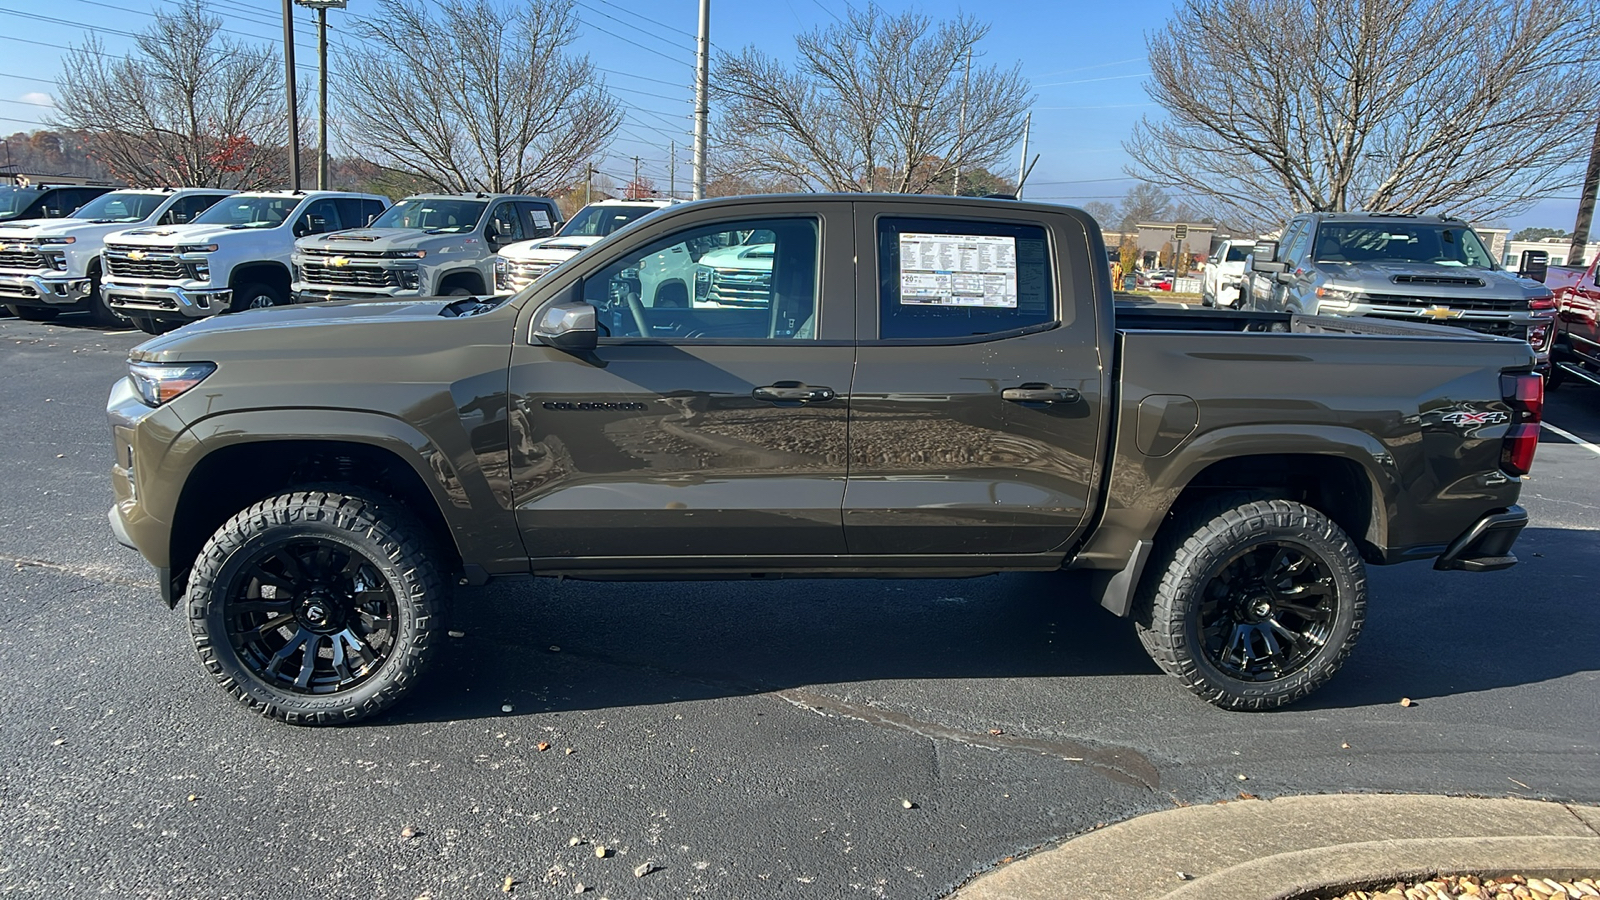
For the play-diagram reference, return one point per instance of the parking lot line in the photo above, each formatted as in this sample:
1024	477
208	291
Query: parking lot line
1573	438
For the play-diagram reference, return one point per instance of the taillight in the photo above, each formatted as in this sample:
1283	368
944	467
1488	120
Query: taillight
1524	393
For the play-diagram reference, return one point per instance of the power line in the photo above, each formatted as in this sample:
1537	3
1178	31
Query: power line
687	34
622	22
637	44
30	78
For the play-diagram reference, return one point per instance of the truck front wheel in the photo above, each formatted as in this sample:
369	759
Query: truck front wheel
316	607
1258	605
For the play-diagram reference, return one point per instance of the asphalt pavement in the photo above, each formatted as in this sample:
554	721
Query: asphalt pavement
794	738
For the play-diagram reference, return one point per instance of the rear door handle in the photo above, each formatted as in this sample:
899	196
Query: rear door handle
793	393
1039	393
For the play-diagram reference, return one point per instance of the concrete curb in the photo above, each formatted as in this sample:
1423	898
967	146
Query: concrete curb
1285	848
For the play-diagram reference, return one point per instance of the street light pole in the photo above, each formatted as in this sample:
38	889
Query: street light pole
702	109
288	79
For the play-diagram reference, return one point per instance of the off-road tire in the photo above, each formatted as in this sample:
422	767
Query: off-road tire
390	539
1207	300
33	313
1203	541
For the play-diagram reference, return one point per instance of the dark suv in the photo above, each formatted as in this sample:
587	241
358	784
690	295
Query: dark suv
45	201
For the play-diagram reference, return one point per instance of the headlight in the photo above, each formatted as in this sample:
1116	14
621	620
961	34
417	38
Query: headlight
159	383
405	254
501	266
197	248
58	240
702	282
1336	298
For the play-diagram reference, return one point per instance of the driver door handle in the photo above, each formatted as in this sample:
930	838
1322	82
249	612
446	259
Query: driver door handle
793	392
1035	393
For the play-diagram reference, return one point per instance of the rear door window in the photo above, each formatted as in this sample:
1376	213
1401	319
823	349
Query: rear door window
953	278
538	220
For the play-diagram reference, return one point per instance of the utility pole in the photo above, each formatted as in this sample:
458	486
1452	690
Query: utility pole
288	82
322	7
702	108
672	172
961	124
588	183
1022	166
1591	185
636	188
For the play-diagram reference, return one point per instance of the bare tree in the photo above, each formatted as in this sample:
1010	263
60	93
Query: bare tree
480	96
1143	202
874	103
190	107
1409	106
1104	213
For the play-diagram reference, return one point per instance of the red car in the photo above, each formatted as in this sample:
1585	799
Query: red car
1575	352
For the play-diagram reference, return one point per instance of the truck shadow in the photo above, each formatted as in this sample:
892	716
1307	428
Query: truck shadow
545	646
1437	634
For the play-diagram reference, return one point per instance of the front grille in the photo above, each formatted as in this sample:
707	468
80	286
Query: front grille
22	259
1484	304
516	276
740	287
1495	327
155	264
348	276
1452	280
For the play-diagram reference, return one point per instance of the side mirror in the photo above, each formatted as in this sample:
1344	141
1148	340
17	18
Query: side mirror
568	325
371	219
502	227
301	228
1535	264
318	224
1264	257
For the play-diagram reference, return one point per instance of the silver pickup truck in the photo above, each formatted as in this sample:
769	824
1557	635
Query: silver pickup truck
1411	268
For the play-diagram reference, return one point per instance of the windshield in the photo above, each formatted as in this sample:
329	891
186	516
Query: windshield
120	206
249	212
1427	244
14	201
434	215
599	221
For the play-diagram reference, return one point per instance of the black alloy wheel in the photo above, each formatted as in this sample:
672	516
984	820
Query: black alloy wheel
312	616
1267	612
1252	603
317	607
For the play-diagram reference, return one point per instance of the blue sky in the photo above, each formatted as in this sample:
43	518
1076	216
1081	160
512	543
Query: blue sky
1085	60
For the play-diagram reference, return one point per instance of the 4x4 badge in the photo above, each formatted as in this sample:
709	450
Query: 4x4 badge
1476	418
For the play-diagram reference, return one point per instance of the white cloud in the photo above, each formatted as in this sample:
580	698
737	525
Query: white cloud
38	97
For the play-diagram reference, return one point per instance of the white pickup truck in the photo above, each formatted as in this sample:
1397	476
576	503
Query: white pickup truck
50	266
1224	272
519	265
233	256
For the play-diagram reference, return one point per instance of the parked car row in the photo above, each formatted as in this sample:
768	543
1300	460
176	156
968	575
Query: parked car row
1575	348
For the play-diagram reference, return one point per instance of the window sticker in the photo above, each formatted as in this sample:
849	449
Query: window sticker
541	219
958	270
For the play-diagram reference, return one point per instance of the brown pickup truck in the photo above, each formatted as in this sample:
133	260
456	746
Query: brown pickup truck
861	386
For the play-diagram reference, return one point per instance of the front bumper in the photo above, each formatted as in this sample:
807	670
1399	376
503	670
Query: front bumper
165	302
42	290
1486	546
303	292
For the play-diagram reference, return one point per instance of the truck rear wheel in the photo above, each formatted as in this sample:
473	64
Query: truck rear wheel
1258	605
316	607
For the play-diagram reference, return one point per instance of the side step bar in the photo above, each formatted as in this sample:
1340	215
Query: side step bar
1577	371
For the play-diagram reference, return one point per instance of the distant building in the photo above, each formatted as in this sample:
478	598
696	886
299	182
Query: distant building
1511	257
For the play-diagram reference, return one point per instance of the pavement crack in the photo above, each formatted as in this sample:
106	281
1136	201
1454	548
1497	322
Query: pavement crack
1119	764
1581	820
103	574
